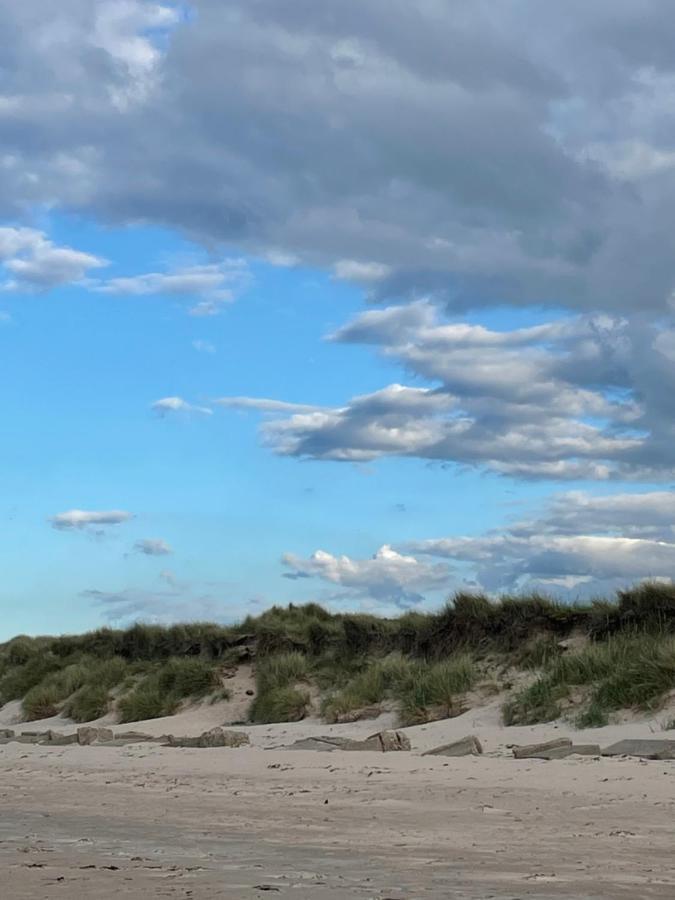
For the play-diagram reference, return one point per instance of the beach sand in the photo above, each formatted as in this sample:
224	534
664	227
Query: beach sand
147	821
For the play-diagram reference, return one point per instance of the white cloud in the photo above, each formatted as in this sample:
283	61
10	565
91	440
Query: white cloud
584	543
81	519
262	404
213	284
153	547
32	261
388	577
580	546
168	405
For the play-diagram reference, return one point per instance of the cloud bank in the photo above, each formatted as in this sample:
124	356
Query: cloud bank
466	151
580	546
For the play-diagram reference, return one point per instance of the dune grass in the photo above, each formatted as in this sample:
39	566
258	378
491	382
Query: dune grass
160	692
629	670
420	690
278	697
88	703
361	660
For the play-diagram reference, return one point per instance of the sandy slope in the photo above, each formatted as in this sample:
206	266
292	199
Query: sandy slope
146	821
484	721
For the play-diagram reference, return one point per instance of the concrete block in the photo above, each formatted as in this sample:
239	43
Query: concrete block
467	746
534	751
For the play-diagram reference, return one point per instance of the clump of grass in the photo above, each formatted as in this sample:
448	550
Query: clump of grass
539	652
88	703
431	690
643	677
628	670
160	691
146	701
594	715
370	686
540	702
283	704
18	680
41	702
280	670
422	690
85	678
188	677
277	696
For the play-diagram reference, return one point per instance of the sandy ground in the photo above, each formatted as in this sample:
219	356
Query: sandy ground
145	821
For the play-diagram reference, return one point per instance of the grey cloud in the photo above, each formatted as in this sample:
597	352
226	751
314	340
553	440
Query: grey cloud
586	397
582	544
177	603
474	153
153	547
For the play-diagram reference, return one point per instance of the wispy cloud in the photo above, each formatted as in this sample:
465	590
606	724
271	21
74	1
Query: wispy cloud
80	519
203	346
169	405
263	404
153	547
213	285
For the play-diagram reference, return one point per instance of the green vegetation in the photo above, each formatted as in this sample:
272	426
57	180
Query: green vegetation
422	691
283	704
627	670
278	698
88	703
146	701
419	663
160	692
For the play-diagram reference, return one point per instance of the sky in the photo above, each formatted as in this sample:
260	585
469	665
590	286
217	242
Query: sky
362	302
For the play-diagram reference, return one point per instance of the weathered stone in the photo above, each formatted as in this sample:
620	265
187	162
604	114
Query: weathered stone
216	737
357	715
30	738
574	750
322	744
34	737
388	741
646	749
468	746
137	737
382	742
535	751
90	734
62	740
6	733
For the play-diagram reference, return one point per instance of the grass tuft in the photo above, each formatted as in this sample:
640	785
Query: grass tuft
88	703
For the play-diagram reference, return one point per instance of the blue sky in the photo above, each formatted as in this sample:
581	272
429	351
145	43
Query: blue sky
297	306
83	372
